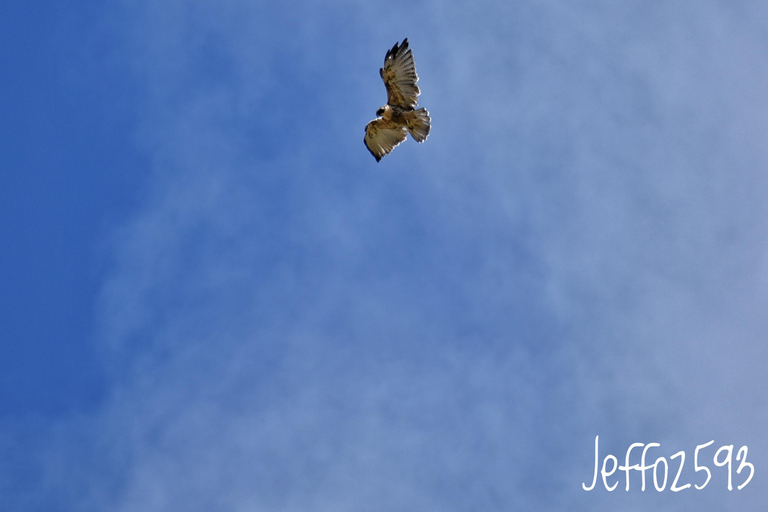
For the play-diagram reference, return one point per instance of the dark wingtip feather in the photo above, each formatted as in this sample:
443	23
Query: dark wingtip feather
397	48
392	51
377	157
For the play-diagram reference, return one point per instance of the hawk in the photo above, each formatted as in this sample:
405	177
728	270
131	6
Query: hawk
399	117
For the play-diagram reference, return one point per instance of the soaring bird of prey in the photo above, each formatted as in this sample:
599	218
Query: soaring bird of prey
399	117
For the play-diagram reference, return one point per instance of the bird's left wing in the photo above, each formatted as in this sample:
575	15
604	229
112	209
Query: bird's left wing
381	137
399	75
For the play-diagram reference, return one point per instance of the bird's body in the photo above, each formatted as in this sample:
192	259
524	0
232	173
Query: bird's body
399	116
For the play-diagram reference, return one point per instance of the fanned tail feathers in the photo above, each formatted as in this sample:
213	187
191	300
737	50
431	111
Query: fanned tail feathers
419	124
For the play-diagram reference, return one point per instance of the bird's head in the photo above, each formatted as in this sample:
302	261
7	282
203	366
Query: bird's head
380	112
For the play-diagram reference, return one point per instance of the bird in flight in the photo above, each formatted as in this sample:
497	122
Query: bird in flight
399	117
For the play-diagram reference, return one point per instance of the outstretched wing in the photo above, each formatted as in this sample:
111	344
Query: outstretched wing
399	75
381	137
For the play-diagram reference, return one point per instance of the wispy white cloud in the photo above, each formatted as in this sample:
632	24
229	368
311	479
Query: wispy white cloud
578	249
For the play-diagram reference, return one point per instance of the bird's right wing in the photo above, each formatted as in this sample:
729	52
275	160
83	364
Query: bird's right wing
381	137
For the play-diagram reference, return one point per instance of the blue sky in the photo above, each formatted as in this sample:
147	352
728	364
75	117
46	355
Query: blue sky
215	299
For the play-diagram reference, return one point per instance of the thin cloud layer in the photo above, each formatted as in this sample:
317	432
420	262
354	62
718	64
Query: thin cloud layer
577	250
